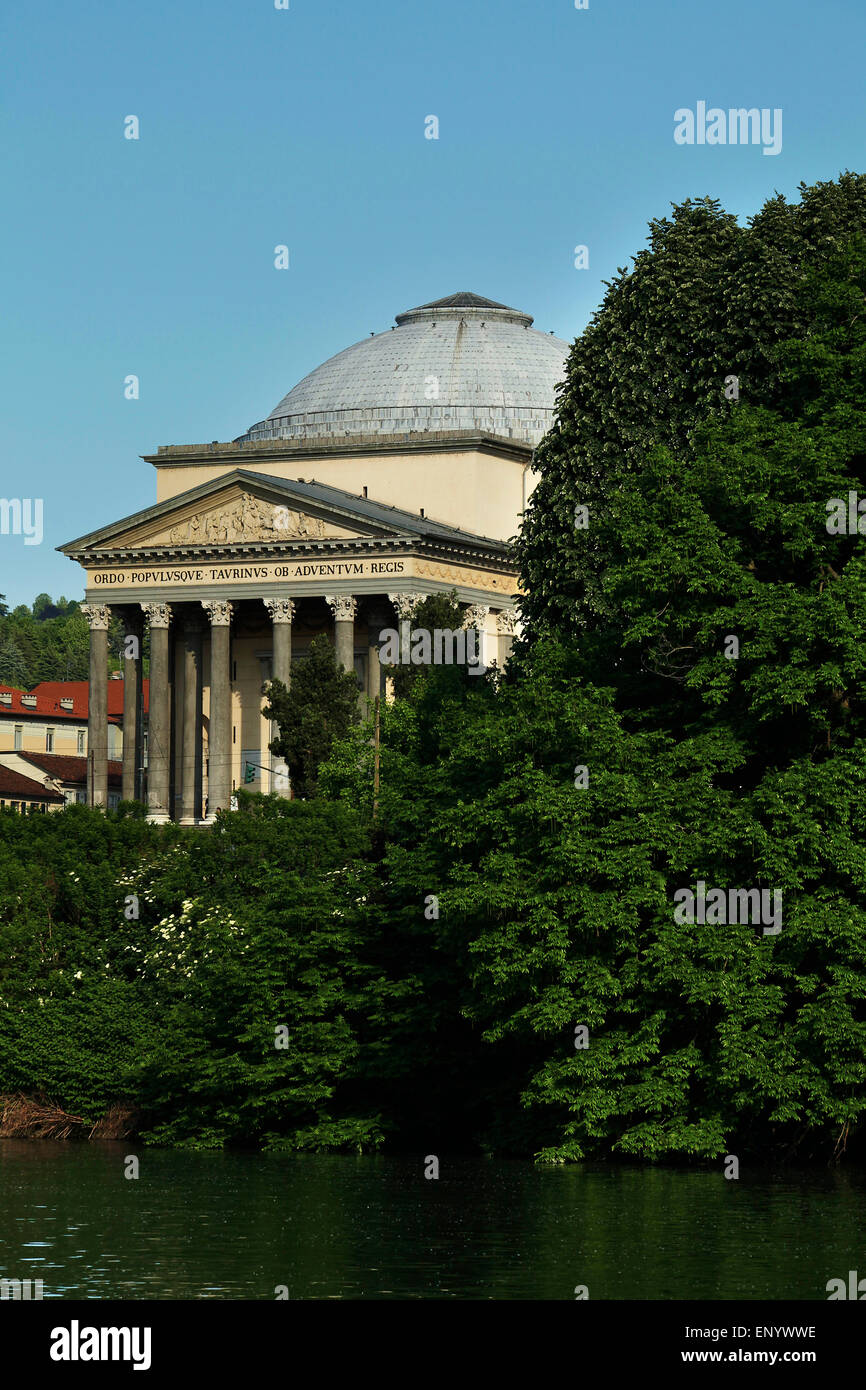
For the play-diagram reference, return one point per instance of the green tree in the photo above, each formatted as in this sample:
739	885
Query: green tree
435	611
320	706
43	607
707	301
50	642
13	665
550	838
168	969
728	539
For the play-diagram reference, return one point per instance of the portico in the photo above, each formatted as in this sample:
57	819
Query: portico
223	619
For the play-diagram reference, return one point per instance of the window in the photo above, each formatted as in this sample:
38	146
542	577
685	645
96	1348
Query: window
19	736
81	738
49	741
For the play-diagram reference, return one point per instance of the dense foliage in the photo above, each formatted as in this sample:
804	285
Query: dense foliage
555	910
320	705
705	301
440	611
221	983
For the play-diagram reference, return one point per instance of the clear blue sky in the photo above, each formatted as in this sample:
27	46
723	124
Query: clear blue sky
306	127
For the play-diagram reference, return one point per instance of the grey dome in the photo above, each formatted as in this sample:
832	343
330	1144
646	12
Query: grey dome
461	363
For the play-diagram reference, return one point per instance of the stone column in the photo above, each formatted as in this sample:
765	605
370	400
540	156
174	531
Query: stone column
376	620
405	604
132	669
282	611
97	615
158	616
191	765
506	626
476	616
175	667
344	610
220	733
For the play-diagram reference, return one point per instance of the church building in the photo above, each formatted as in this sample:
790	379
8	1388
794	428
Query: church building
398	469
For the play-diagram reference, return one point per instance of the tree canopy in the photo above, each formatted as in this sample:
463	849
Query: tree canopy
49	641
319	706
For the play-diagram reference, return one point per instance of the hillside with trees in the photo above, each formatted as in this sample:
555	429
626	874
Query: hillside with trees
48	641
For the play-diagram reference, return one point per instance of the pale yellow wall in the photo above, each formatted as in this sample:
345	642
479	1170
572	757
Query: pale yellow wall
250	730
20	803
531	482
65	736
479	492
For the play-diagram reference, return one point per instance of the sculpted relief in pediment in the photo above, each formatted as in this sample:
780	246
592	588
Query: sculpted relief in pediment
245	519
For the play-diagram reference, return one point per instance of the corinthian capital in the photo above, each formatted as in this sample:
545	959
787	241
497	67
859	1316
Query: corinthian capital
476	616
218	610
282	610
97	615
342	606
405	603
157	614
506	622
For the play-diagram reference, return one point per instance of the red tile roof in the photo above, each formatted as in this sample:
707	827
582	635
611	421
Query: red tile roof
50	693
15	784
69	768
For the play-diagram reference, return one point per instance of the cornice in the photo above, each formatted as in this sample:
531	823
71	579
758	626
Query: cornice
498	557
425	442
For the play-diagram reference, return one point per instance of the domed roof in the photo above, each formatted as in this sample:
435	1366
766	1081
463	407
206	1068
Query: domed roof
460	363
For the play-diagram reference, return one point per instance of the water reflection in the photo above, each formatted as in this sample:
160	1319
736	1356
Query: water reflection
239	1225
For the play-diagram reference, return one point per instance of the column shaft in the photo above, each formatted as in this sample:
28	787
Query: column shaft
376	620
97	705
344	641
282	611
282	666
191	764
344	609
159	717
132	669
220	726
374	669
506	627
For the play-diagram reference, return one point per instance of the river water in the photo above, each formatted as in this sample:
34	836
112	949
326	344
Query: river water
214	1225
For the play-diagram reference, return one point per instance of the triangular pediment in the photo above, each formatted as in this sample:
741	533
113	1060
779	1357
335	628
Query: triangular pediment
236	517
247	509
242	511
